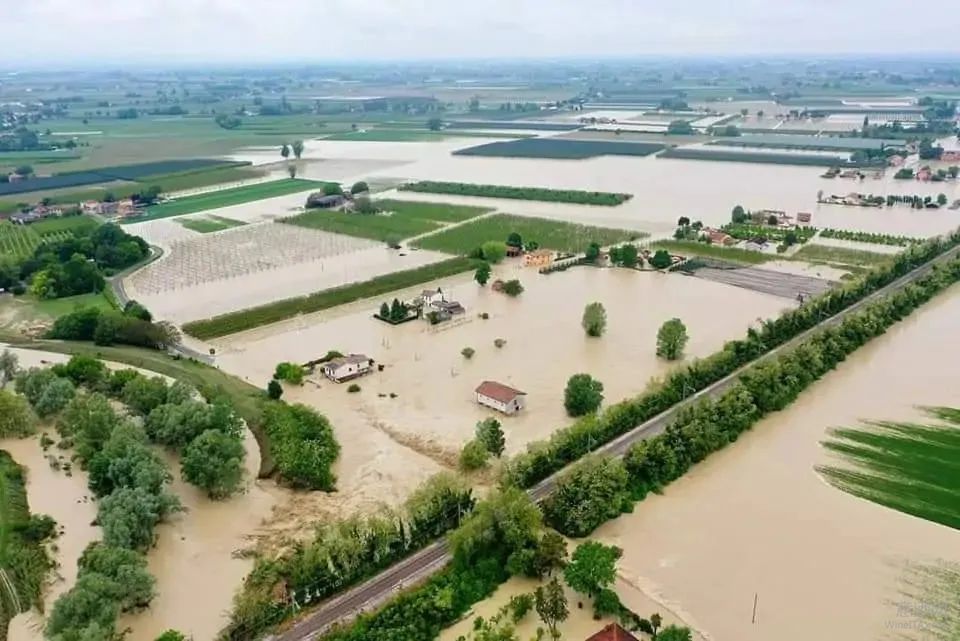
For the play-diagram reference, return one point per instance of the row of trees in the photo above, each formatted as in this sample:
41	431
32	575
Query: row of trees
302	445
296	147
571	443
345	552
599	488
107	327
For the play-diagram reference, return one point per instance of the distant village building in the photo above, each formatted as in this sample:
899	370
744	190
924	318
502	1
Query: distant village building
804	217
613	632
513	251
500	397
343	368
15	178
538	258
435	308
950	156
757	244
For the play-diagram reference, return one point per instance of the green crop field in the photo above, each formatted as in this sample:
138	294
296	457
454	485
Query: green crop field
908	467
226	197
841	255
724	155
560	148
551	234
288	308
210	224
572	196
808	142
400	219
72	224
731	254
17	241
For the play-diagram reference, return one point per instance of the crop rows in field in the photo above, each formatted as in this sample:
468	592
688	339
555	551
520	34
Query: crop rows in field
816	143
20	241
396	220
562	149
550	234
814	160
109	174
238	252
226	198
573	196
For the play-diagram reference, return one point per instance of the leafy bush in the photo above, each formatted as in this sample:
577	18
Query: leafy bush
671	339
353	388
290	372
594	491
512	288
468	352
582	395
302	444
213	461
474	455
594	319
16	418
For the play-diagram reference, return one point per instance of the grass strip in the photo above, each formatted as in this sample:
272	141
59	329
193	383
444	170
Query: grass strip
841	255
731	254
225	198
288	308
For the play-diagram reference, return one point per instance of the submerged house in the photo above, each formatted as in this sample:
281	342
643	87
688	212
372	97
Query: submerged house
500	397
435	307
343	368
612	632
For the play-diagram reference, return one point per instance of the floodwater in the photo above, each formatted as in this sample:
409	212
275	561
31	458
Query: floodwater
434	405
194	560
756	523
664	189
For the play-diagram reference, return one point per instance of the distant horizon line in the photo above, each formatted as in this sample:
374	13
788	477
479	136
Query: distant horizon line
91	64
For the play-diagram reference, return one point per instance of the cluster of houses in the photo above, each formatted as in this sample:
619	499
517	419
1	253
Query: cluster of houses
113	209
435	308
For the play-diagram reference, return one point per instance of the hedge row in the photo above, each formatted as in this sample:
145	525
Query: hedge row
565	446
289	307
598	489
574	196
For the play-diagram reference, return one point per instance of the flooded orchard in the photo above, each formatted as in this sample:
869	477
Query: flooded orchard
756	522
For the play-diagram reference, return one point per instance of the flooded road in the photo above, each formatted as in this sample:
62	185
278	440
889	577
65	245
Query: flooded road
756	522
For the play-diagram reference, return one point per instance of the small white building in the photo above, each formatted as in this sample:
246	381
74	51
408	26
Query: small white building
429	297
500	397
344	368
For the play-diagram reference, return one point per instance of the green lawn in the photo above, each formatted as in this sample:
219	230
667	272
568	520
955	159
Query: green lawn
72	224
281	310
226	197
907	467
55	307
209	224
399	219
841	255
551	234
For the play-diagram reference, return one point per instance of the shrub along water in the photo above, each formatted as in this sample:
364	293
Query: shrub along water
519	193
566	445
346	552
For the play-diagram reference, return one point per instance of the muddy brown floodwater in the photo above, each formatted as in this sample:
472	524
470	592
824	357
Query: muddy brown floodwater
194	560
545	344
755	521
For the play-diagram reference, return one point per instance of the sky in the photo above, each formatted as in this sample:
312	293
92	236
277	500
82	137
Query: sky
41	32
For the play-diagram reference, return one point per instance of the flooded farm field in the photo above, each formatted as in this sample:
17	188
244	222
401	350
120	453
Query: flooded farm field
195	558
755	521
664	189
425	394
251	265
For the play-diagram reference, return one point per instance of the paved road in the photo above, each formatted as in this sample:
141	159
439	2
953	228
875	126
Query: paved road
434	557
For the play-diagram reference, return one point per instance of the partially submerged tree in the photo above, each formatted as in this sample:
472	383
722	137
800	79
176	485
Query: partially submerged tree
582	395
482	274
297	148
594	319
490	433
551	605
671	339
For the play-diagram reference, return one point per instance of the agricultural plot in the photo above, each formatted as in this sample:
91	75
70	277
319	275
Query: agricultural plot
72	224
562	149
17	241
806	142
225	198
840	255
398	219
238	252
550	234
510	124
573	196
108	174
811	159
20	241
210	224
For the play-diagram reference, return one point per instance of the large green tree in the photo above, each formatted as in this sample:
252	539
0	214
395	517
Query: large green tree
594	319
490	433
213	461
582	395
16	418
671	339
595	490
592	568
551	605
9	366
